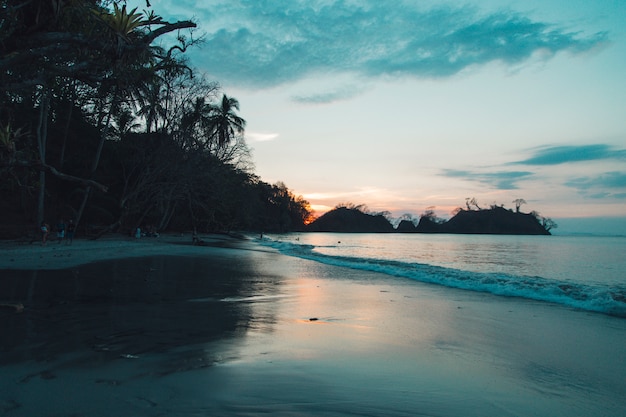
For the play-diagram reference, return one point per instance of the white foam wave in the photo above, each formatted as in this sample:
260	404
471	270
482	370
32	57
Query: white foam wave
604	299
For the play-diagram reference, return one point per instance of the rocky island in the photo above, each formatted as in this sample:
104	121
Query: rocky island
351	220
495	220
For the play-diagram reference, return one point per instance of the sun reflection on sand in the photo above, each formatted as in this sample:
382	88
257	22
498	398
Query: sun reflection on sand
324	316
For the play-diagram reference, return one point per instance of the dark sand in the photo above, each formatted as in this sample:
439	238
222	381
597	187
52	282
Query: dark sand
250	332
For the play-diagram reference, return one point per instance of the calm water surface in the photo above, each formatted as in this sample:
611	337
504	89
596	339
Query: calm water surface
586	272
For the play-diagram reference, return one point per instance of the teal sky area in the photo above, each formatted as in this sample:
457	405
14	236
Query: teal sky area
409	105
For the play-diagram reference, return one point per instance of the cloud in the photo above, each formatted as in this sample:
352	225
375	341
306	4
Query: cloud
503	180
556	155
267	43
606	185
338	94
260	137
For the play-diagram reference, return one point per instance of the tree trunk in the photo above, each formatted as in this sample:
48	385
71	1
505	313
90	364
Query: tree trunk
96	160
42	138
66	131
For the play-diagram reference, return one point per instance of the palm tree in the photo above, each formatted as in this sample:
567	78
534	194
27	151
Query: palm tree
225	123
150	101
197	118
125	122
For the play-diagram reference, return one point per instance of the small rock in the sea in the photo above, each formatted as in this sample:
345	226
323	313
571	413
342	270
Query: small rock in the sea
129	356
313	319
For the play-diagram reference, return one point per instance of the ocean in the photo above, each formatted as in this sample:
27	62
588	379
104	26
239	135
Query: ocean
581	272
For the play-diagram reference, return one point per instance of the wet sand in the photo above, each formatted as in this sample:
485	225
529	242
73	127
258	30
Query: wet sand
223	330
60	255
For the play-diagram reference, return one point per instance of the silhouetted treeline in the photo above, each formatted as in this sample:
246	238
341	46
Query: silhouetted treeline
100	125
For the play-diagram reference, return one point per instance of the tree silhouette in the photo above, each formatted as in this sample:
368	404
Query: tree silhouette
224	121
472	201
45	46
518	203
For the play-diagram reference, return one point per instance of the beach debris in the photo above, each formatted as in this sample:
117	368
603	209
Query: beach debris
15	307
129	356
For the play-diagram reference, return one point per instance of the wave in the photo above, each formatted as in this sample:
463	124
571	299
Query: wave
609	300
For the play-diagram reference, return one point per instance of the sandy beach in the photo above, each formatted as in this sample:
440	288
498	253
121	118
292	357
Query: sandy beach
60	255
159	327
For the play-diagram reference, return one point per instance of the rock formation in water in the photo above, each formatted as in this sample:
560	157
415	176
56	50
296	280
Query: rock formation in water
496	220
347	220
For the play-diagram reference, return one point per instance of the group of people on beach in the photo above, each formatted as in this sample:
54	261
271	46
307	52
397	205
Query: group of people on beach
64	232
149	231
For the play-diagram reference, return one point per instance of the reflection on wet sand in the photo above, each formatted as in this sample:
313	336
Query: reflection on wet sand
133	307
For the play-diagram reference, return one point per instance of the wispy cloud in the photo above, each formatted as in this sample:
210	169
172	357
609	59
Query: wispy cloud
555	155
609	184
502	180
260	137
267	43
342	93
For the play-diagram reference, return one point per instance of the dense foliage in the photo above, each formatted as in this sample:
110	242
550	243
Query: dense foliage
101	125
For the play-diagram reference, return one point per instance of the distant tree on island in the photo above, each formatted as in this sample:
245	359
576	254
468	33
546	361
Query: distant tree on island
518	203
430	215
472	201
352	206
546	222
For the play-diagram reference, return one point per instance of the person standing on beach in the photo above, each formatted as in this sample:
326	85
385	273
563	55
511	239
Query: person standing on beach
60	231
70	232
45	229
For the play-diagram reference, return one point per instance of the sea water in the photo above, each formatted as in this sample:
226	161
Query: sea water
583	272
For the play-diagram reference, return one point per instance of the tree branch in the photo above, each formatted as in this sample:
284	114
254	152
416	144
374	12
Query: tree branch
167	28
72	178
57	173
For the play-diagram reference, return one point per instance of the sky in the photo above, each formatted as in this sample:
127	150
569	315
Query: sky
405	106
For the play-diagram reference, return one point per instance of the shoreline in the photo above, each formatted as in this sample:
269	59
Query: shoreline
16	255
